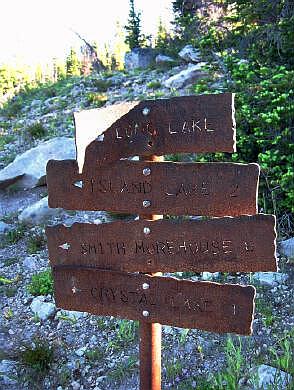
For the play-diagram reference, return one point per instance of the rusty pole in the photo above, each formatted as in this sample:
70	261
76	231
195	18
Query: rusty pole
150	333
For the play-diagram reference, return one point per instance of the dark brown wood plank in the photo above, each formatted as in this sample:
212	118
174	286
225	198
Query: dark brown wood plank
201	124
212	189
241	244
203	305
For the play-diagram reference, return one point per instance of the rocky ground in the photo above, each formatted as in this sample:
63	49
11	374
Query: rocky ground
43	347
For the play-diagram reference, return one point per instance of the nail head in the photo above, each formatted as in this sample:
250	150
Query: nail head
145	286
146	230
146	171
145	313
146	203
145	111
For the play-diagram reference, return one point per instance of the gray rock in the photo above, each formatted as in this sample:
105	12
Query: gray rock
161	59
186	76
210	275
4	227
8	372
75	385
269	376
287	248
71	314
42	309
190	54
38	213
139	58
29	169
270	279
80	352
31	263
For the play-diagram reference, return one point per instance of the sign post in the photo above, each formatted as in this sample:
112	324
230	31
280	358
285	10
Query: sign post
150	333
116	268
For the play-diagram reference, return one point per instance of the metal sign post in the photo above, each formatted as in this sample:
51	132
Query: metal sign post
150	333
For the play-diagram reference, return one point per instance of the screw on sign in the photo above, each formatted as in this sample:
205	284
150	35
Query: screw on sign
96	267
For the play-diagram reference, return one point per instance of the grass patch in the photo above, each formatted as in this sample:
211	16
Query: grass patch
96	99
282	353
5	139
10	261
154	84
41	283
37	358
35	243
229	378
94	355
14	235
36	130
123	369
126	333
173	369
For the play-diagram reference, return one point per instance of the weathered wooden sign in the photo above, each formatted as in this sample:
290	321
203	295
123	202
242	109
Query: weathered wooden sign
211	189
199	124
92	264
242	244
203	305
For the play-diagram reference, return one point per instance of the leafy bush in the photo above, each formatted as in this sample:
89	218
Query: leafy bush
36	130
264	118
154	84
96	99
101	85
41	283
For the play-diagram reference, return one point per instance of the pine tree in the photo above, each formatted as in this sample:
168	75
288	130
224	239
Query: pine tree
162	36
133	28
72	64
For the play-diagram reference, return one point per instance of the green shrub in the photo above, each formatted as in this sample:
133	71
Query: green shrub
38	358
264	119
96	99
41	283
154	84
13	107
36	130
101	85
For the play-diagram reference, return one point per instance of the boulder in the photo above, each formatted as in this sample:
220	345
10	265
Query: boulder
70	314
186	76
286	248
42	309
139	58
161	59
269	377
190	54
4	227
29	169
270	279
31	263
38	213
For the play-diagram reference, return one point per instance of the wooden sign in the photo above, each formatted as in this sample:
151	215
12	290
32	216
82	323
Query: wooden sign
203	305
199	124
243	244
211	189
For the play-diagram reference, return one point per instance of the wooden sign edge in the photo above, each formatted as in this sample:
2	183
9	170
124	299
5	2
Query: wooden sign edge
271	266
248	288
